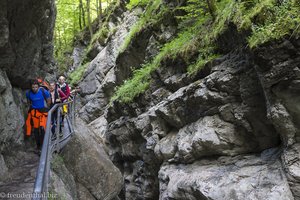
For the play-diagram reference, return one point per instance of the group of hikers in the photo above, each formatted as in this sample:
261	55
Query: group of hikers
41	98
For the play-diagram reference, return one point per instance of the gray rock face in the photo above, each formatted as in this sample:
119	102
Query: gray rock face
217	135
100	76
11	117
215	116
26	39
240	107
59	188
83	193
291	163
20	166
279	76
62	181
78	53
3	168
91	166
208	136
244	177
26	30
99	126
26	52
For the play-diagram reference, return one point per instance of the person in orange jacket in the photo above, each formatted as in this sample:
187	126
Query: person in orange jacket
37	115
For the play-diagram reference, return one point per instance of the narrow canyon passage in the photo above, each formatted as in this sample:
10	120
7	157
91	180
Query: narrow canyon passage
182	100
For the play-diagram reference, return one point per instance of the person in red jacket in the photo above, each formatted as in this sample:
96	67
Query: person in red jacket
62	86
56	96
64	91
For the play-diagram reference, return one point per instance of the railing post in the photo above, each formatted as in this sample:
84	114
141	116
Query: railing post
49	146
57	128
73	111
39	186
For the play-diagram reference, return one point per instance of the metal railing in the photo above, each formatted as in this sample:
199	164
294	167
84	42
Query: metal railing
56	137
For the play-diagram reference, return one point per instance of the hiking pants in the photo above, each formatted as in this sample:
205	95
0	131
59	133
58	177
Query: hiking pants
39	134
37	121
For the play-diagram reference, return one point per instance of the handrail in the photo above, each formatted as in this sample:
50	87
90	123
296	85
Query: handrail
53	142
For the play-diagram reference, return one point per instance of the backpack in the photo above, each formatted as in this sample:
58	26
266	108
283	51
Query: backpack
44	95
44	84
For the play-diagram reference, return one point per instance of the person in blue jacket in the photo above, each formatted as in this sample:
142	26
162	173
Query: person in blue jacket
39	101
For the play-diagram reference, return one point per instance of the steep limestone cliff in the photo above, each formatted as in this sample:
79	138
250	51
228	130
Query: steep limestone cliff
228	132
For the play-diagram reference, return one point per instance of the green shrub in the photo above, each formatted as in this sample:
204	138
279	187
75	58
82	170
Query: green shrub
77	74
56	162
148	16
200	63
266	20
282	20
142	77
135	86
101	34
135	3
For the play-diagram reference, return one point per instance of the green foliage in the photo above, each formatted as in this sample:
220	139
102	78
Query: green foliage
63	57
265	19
135	86
200	63
135	3
149	16
193	9
56	162
283	19
52	195
103	32
67	27
77	74
142	77
248	11
99	36
182	44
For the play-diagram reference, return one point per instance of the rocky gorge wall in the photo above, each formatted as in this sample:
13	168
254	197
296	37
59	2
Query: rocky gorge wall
229	132
26	52
26	31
